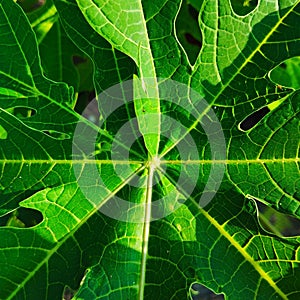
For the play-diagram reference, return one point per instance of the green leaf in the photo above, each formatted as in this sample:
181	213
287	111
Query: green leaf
50	107
110	66
159	189
188	31
55	48
226	87
287	74
123	24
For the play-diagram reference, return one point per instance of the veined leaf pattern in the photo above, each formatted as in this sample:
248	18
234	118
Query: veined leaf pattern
52	158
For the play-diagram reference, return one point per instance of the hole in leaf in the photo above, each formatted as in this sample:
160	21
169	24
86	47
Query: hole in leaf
286	74
188	31
254	118
84	98
85	69
191	40
194	9
3	133
23	112
278	223
243	7
31	5
78	60
200	292
68	293
283	66
24	218
56	134
196	4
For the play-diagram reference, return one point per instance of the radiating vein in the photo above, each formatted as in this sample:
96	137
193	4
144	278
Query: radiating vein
146	232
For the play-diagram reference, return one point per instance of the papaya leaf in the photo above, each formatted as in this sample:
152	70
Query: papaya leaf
154	187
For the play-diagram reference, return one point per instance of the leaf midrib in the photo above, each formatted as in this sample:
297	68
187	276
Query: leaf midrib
146	232
227	84
232	241
257	49
81	222
59	243
264	275
260	161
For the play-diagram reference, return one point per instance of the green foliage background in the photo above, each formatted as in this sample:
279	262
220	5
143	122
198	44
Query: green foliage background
241	57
